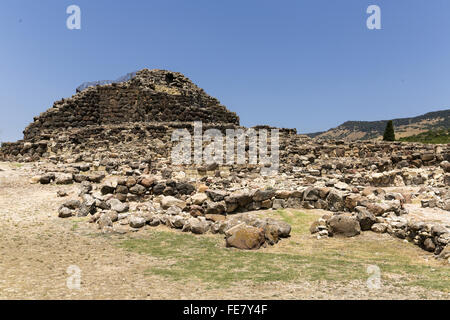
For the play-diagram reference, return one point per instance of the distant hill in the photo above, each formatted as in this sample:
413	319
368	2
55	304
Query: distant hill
373	130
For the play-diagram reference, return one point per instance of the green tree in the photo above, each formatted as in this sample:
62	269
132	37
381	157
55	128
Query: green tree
389	134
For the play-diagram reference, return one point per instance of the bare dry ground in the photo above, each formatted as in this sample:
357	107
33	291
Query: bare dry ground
37	247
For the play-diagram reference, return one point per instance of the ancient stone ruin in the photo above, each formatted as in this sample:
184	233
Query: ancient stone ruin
150	96
114	140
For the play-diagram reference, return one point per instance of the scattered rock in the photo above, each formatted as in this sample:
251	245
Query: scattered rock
118	206
168	201
379	227
245	237
342	225
62	178
64	212
365	218
136	222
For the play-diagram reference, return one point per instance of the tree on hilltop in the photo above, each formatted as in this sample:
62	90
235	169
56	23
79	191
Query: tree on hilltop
389	134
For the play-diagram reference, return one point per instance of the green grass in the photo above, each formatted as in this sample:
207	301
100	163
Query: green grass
205	259
75	226
184	257
433	137
76	222
17	165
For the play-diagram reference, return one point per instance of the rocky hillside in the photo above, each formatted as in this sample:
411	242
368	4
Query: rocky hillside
404	127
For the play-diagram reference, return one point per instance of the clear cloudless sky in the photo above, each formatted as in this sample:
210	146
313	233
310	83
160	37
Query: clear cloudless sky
305	64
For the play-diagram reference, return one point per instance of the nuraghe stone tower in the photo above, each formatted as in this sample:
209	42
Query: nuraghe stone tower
150	96
145	106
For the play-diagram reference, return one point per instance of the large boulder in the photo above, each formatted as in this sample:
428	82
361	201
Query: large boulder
283	228
245	237
343	225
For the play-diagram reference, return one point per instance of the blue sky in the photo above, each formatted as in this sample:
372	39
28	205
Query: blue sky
305	64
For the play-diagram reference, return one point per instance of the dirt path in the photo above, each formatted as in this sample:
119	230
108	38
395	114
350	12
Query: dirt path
36	248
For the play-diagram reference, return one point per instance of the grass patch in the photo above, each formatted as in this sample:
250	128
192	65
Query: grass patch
75	225
441	136
185	257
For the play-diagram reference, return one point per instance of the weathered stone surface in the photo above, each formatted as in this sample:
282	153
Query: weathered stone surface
199	198
104	221
245	237
138	190
147	182
366	219
215	207
335	201
63	178
185	188
445	254
137	222
168	201
311	194
342	225
379	227
262	195
64	212
196	226
107	189
429	245
72	204
216	195
118	206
